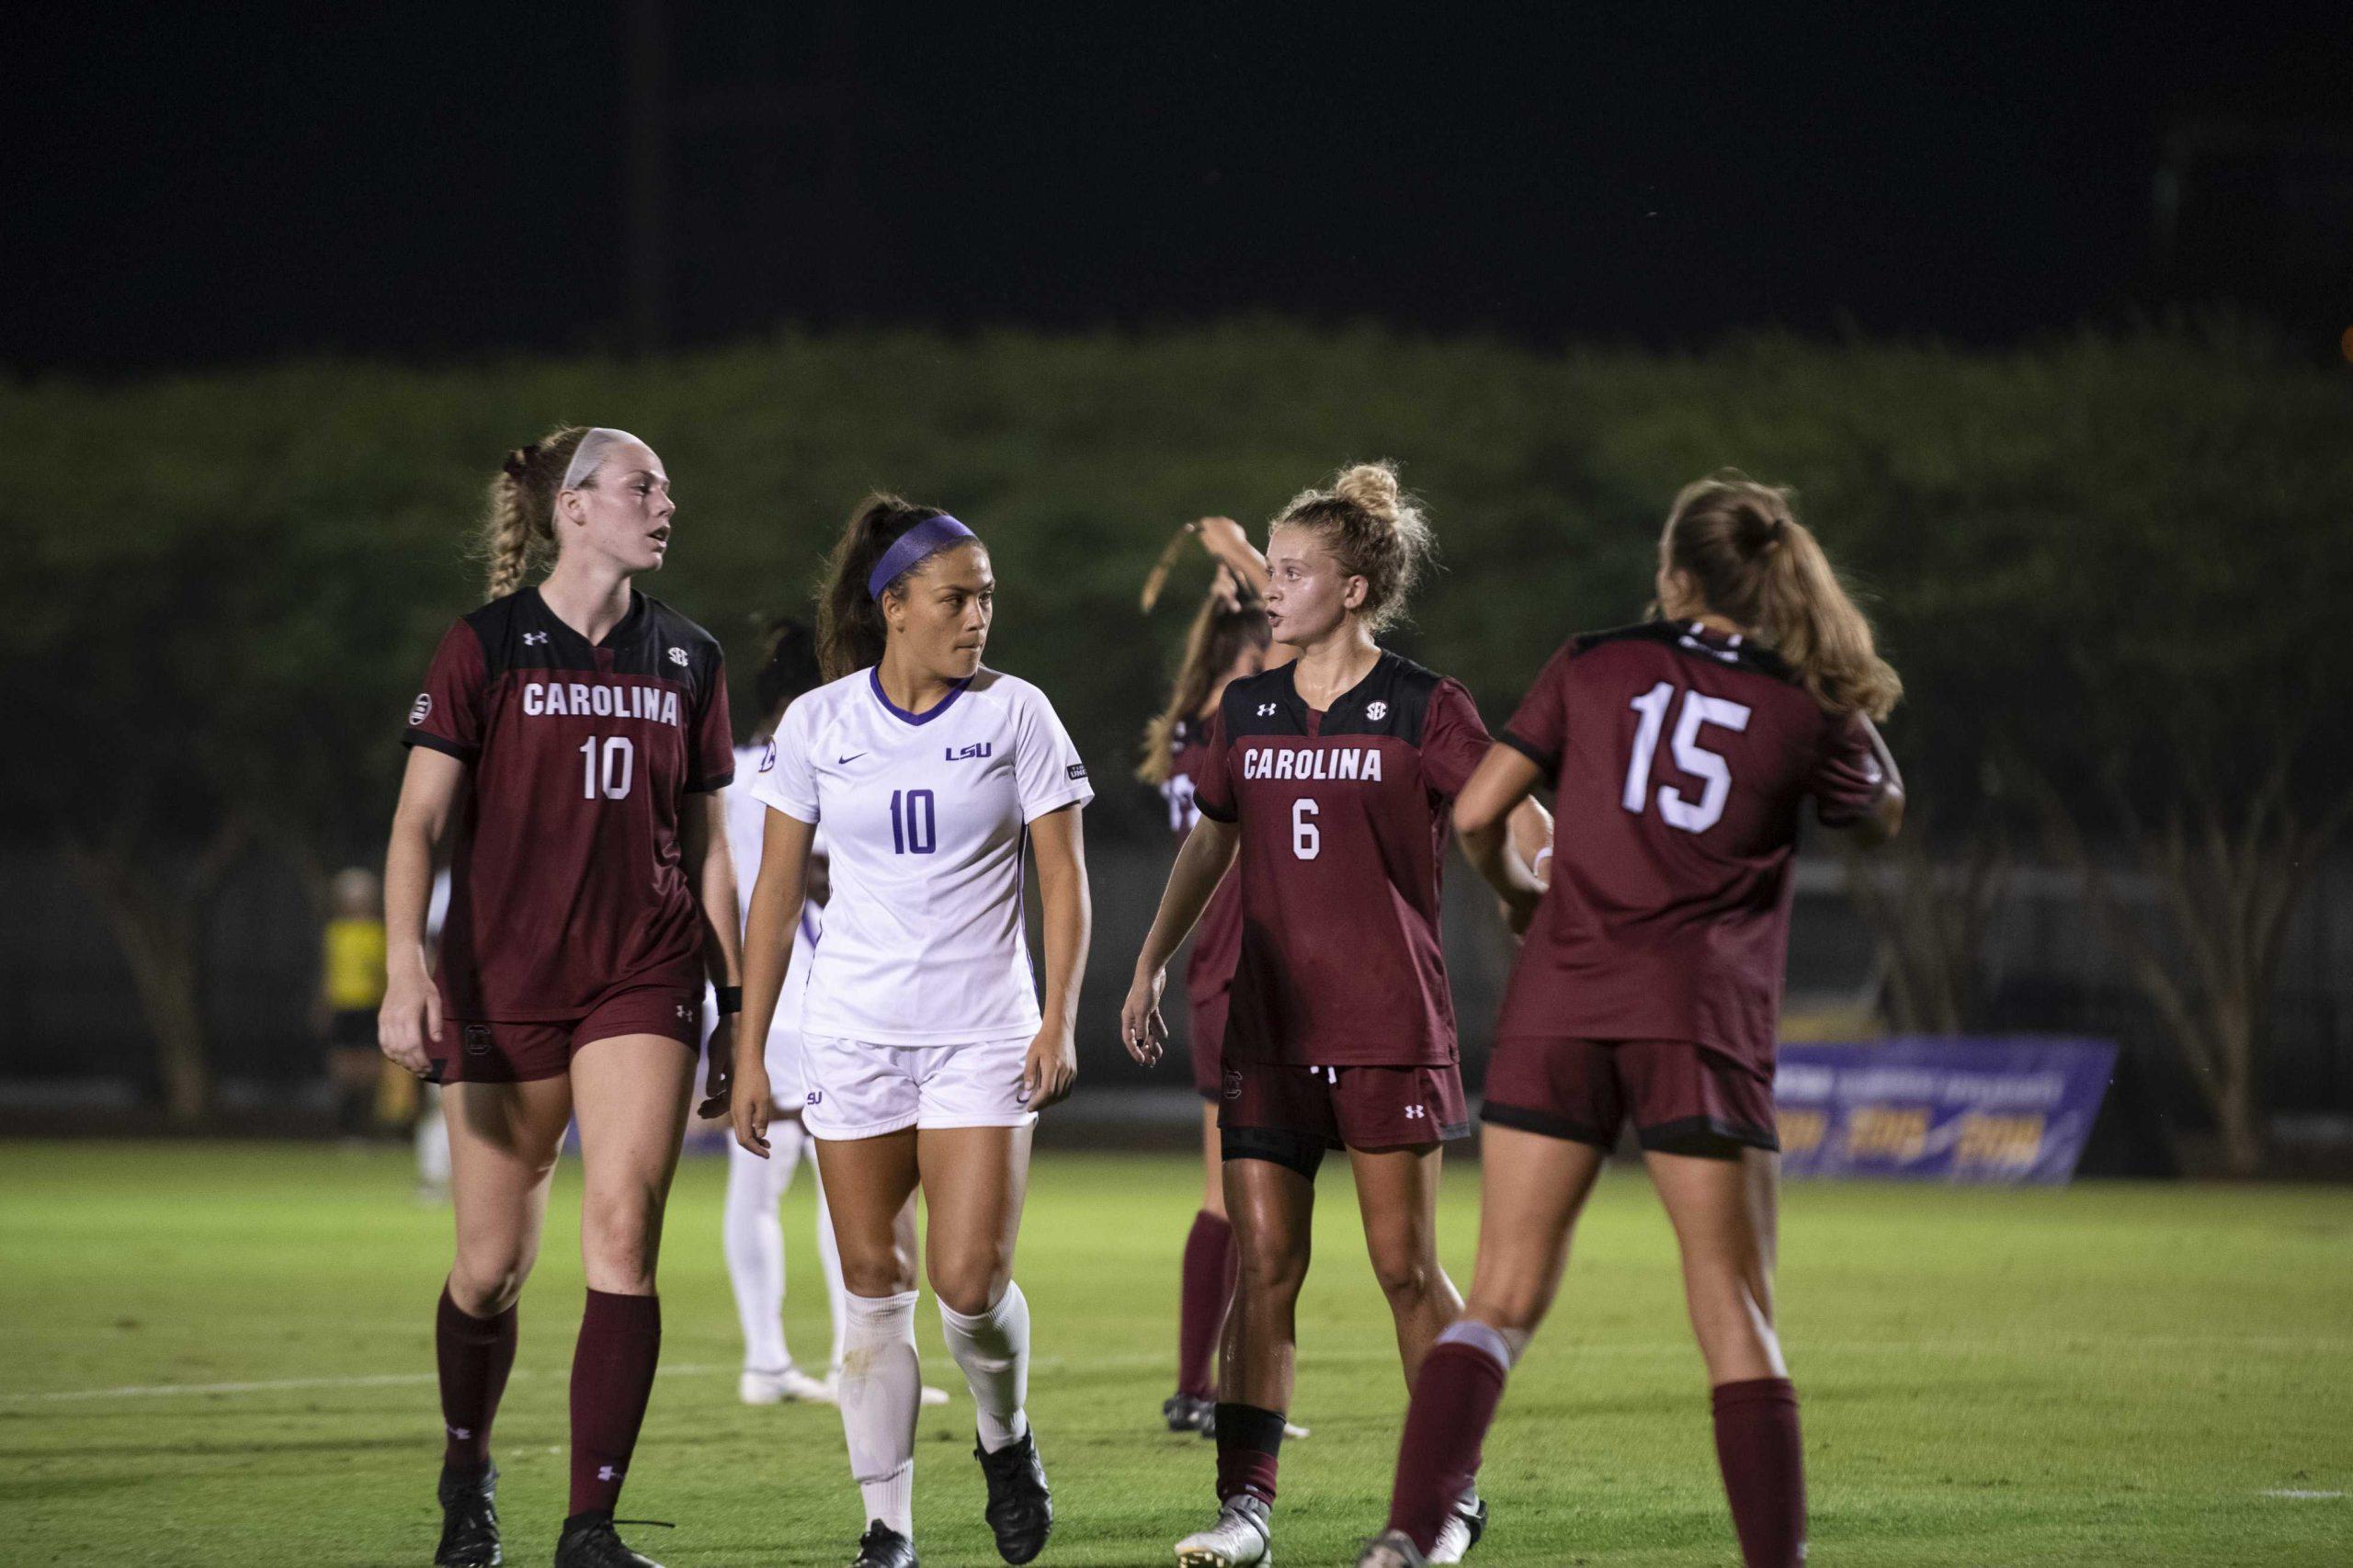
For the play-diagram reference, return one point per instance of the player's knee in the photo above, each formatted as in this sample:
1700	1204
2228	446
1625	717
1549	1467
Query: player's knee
1405	1277
618	1243
1267	1269
969	1289
872	1266
484	1284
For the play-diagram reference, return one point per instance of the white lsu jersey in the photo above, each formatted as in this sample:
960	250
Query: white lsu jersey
747	825
925	819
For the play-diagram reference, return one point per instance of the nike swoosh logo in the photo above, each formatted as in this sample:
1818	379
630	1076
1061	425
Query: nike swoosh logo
851	758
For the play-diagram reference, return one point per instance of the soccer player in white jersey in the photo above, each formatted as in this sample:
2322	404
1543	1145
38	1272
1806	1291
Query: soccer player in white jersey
924	1050
755	1186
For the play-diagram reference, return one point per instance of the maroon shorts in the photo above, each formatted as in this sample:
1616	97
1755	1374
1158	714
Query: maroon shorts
1273	1110
1682	1099
479	1050
1205	1037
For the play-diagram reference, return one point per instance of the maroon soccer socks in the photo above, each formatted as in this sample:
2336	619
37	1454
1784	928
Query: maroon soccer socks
1763	1465
1455	1396
1209	1260
612	1378
473	1356
1249	1448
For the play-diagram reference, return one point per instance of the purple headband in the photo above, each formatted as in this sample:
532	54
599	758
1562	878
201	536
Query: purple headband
926	538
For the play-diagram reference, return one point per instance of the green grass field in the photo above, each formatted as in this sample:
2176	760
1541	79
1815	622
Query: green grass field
222	1356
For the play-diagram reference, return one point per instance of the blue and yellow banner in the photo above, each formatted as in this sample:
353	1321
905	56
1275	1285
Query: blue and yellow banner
2006	1110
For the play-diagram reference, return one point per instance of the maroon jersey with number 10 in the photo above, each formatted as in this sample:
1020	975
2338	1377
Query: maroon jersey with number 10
1343	815
1681	758
567	881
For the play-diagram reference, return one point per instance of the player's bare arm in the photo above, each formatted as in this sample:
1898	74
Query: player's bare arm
778	893
412	1011
1483	822
1051	1066
703	839
1202	862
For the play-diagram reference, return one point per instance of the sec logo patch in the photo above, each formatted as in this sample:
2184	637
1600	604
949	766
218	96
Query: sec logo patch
421	708
1233	1084
477	1040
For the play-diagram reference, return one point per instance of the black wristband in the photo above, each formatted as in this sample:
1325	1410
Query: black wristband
731	998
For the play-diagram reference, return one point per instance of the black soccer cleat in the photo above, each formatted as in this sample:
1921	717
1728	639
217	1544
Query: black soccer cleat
1185	1414
469	1520
882	1547
1020	1510
589	1542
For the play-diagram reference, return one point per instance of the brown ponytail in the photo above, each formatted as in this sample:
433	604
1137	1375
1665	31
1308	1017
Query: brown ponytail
850	631
1749	558
519	531
1376	531
1214	641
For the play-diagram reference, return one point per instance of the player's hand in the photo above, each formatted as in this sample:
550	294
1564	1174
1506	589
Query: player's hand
1221	537
411	1015
1050	1068
720	1075
1142	1028
754	1099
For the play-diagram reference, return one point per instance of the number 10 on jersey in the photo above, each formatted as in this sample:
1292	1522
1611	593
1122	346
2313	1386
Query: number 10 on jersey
914	823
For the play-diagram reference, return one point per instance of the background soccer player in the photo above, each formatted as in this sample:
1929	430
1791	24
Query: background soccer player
1650	985
924	1050
1328	779
1228	640
583	726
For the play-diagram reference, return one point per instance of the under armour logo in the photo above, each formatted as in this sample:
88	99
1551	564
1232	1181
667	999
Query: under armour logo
1376	711
1265	710
678	655
535	639
686	1010
1415	1113
462	1433
609	1472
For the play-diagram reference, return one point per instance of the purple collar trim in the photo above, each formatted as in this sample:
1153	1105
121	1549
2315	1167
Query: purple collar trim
931	535
955	690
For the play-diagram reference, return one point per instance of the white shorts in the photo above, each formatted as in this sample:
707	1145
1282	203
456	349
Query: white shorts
856	1090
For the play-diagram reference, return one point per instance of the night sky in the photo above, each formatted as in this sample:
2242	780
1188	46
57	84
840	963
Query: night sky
435	181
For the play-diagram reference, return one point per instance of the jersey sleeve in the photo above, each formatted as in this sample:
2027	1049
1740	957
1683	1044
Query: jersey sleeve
713	736
1454	738
1213	785
1539	729
1046	766
1847	779
446	715
783	779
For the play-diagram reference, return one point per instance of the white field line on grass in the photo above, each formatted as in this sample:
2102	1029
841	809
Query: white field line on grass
2297	1495
2282	1344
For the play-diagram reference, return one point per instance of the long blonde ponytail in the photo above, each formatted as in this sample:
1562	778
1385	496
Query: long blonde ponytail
1749	558
517	530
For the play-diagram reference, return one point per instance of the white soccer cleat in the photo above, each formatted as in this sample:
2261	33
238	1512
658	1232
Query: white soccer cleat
1460	1532
1242	1537
934	1396
791	1386
1392	1549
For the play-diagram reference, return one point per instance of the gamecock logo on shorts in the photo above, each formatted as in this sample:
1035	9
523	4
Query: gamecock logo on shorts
477	1040
1233	1084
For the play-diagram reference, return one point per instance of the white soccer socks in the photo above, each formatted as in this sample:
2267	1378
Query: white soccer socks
882	1383
754	1241
994	1349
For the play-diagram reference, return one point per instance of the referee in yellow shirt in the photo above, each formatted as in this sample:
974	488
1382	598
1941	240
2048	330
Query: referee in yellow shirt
351	988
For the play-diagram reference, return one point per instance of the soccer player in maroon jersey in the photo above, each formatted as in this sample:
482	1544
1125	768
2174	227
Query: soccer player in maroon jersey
1329	780
1649	986
1228	640
575	734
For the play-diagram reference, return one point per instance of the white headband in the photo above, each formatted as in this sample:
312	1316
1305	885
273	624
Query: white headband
589	455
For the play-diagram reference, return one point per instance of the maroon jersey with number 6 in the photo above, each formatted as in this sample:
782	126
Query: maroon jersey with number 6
1681	758
566	881
1344	817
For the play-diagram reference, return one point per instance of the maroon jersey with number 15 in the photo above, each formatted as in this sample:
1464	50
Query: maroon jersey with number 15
567	881
1681	758
1343	815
